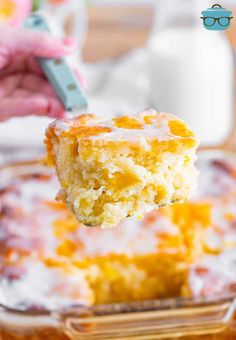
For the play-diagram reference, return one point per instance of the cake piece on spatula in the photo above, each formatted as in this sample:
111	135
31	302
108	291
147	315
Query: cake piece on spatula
122	167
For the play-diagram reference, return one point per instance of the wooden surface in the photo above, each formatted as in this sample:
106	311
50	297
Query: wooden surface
114	30
231	33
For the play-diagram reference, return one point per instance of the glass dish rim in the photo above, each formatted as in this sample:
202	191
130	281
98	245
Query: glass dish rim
117	308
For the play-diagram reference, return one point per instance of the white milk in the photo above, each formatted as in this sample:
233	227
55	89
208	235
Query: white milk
191	75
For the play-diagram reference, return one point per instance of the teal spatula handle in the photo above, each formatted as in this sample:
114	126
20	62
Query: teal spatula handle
58	72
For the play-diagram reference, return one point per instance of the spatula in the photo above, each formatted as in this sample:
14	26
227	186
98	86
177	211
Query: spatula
58	72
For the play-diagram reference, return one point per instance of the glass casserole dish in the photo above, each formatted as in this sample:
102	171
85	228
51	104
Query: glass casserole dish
201	283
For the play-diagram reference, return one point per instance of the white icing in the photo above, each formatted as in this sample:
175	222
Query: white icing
158	130
42	286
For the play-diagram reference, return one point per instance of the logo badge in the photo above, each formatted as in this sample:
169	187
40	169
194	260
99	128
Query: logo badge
216	18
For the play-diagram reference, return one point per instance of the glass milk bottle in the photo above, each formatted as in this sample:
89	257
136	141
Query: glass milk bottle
191	70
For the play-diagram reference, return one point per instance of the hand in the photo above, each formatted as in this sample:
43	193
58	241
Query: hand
24	90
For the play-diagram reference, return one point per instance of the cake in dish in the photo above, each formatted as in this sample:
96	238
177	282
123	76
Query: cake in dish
123	167
50	261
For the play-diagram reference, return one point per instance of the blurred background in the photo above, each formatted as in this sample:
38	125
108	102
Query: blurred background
137	54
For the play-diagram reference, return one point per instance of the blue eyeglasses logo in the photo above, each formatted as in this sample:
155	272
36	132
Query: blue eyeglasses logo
216	18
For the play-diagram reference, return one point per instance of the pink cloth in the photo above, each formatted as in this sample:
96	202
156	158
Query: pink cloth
24	90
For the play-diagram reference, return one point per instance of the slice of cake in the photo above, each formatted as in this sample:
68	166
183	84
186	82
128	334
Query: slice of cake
126	166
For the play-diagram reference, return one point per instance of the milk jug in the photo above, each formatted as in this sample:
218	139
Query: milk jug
191	69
